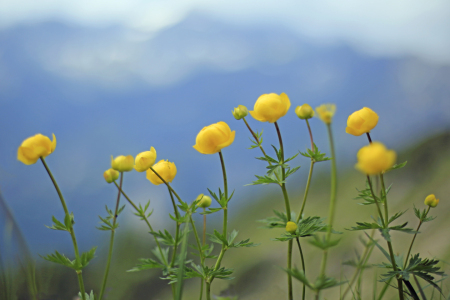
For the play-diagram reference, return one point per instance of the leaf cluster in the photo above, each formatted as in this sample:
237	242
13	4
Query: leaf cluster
305	227
142	211
422	215
107	224
77	264
316	155
219	238
221	199
255	142
277	221
66	226
149	263
196	271
321	282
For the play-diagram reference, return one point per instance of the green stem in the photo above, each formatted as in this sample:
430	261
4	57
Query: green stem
204	228
391	250
201	289
303	267
310	135
376	201
208	290
111	241
311	167
72	232
288	212
144	217
255	137
177	232
414	238
331	210
197	239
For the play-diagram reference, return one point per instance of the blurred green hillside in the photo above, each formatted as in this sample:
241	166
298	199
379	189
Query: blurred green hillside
258	270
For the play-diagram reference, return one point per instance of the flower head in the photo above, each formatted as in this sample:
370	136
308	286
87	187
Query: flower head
167	170
325	112
203	201
291	227
240	112
35	147
361	121
111	175
375	158
431	200
270	107
304	112
214	137
122	163
145	160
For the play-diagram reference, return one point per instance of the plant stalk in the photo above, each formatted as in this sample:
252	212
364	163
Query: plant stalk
414	238
303	267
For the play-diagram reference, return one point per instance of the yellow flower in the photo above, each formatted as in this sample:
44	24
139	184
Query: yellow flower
145	160
431	200
34	148
203	201
291	227
304	112
325	112
361	121
375	158
111	175
165	169
240	112
122	163
270	107
214	137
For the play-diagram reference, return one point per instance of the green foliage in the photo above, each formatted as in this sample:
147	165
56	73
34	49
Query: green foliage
221	199
107	224
257	144
323	243
77	264
422	215
316	155
367	196
68	222
166	238
279	221
229	242
142	211
417	266
398	166
305	227
90	296
321	282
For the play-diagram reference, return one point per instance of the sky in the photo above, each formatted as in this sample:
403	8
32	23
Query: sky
116	77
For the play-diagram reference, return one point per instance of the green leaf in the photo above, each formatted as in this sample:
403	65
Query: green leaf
60	259
379	247
365	226
305	227
323	243
422	215
256	144
211	211
90	296
316	155
57	225
396	216
68	220
232	237
403	229
321	283
85	258
146	264
398	166
266	180
291	171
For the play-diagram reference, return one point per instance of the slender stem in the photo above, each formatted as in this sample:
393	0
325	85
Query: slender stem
168	186
311	167
111	241
391	250
197	239
288	212
368	136
420	288
177	230
144	217
376	201
414	238
208	290
310	134
254	136
331	210
303	267
201	289
72	231
360	265
204	228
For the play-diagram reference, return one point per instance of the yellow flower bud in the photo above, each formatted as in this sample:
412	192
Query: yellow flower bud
291	227
375	158
122	163
34	148
214	137
165	169
361	121
111	175
270	107
203	201
325	112
145	160
304	112
431	200
240	112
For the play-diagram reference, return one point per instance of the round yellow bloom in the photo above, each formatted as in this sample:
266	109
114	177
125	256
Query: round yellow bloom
361	121
203	201
34	148
375	158
431	200
270	107
111	175
145	160
165	169
291	227
325	112
122	163
240	112
304	112
214	137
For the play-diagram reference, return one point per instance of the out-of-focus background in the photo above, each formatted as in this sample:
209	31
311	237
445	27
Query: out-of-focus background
117	77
